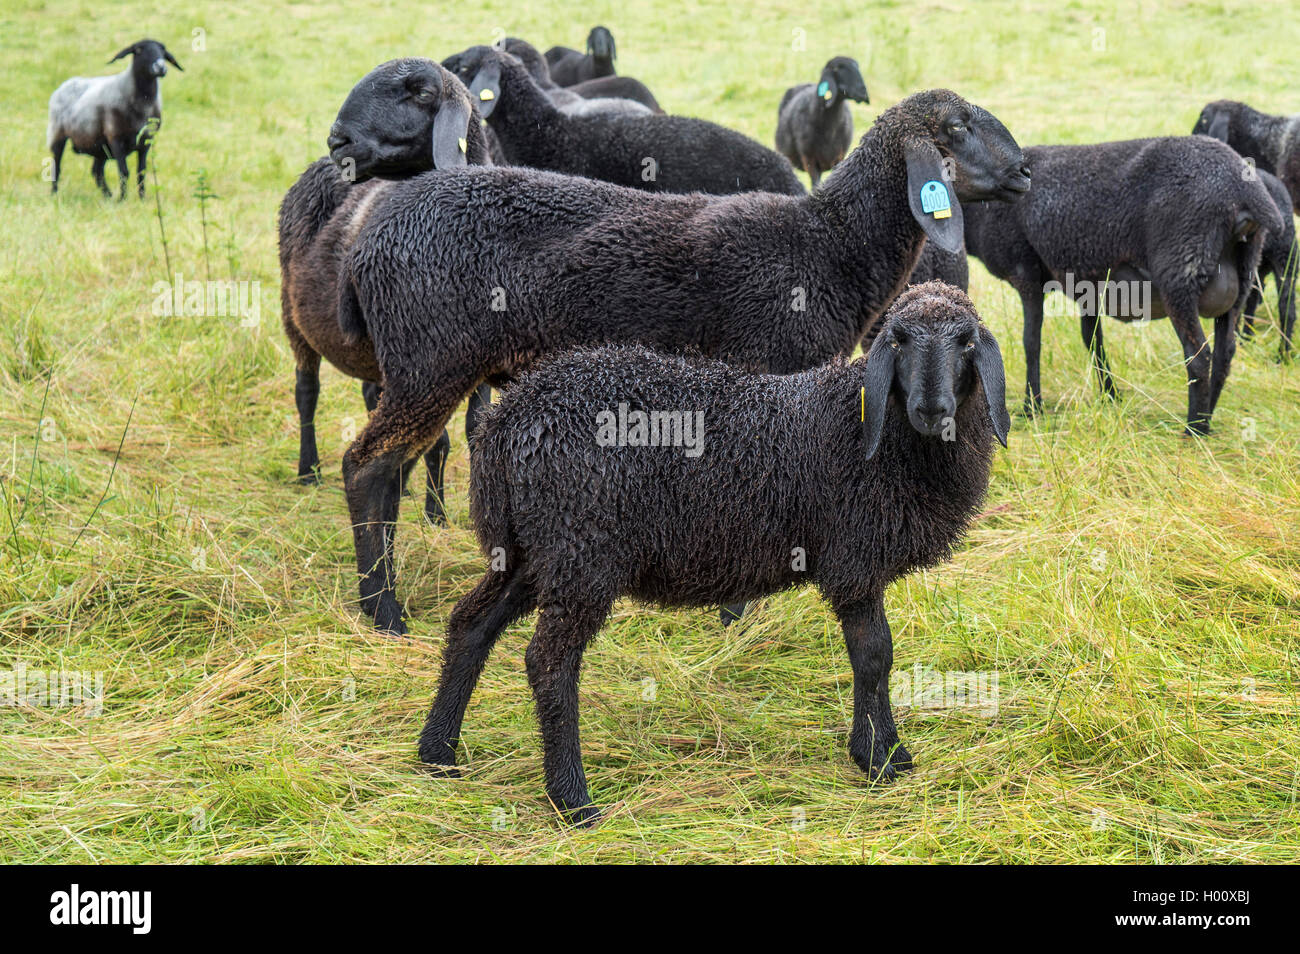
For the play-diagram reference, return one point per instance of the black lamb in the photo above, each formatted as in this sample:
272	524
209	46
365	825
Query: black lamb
1136	229
814	128
1273	142
475	273
869	471
569	67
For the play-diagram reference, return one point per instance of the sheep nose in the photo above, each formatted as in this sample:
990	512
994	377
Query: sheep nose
932	418
337	138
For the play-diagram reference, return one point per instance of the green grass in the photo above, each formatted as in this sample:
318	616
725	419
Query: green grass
1136	592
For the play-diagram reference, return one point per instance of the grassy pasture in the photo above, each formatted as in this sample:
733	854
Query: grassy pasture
1136	593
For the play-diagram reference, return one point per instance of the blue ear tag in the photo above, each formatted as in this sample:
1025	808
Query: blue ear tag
824	89
934	199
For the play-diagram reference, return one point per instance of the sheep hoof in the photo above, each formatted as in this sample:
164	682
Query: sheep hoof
438	770
309	477
886	763
434	513
1033	406
731	613
1197	429
584	817
389	622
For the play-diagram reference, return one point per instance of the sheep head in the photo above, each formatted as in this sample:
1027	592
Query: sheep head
405	117
841	79
148	57
930	352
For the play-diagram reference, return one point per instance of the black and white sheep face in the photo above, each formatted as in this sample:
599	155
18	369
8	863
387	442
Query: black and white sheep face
148	57
929	355
403	118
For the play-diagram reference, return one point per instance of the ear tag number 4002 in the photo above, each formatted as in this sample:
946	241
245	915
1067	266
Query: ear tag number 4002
934	199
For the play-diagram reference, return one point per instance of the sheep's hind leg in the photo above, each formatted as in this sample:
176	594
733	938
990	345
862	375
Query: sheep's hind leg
57	149
1090	327
142	154
374	470
97	170
873	740
120	152
479	618
554	659
1225	346
306	390
1031	300
1196	354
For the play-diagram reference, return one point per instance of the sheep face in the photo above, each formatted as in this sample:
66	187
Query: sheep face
600	43
929	354
404	117
149	58
479	68
841	79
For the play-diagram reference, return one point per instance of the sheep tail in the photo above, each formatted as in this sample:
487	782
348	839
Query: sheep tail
352	320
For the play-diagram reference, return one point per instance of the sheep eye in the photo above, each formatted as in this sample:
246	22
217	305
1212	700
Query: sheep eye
970	345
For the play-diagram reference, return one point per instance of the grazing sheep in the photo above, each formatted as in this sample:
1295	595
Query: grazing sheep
1279	254
1138	229
650	152
869	471
568	67
104	116
600	95
320	217
478	272
936	264
1273	142
814	128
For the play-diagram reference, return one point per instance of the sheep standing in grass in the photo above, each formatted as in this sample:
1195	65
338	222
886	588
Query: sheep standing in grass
319	219
478	272
862	473
814	127
1137	229
568	67
651	152
104	116
1272	142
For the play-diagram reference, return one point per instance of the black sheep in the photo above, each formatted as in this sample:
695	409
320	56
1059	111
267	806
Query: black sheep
605	87
1137	229
568	67
814	128
477	272
936	264
1273	142
651	152
869	471
319	218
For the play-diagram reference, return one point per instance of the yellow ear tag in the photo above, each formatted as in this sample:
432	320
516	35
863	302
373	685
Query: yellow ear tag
943	213
464	146
486	94
864	406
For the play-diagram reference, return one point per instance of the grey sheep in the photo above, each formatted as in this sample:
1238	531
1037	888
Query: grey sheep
1137	229
103	116
846	477
814	128
476	273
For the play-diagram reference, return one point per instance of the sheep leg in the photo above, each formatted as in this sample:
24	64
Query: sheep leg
1285	276
120	153
873	740
1196	354
1031	300
435	461
1225	346
479	398
1090	326
554	659
375	466
57	149
731	612
142	154
478	620
306	390
97	170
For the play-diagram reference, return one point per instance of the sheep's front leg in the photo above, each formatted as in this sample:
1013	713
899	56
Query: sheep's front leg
1031	300
97	170
142	155
554	659
120	152
306	390
1090	327
873	740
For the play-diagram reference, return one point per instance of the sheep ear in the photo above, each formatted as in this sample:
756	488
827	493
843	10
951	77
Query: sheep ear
167	55
931	196
126	52
1219	127
451	133
827	89
876	385
486	88
988	365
